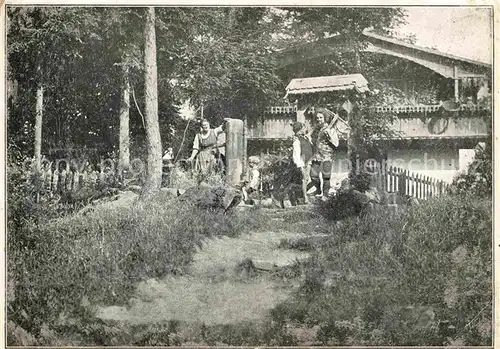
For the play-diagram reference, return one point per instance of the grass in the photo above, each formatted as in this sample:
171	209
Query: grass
422	277
98	256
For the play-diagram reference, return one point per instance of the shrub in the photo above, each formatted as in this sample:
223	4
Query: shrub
350	200
478	179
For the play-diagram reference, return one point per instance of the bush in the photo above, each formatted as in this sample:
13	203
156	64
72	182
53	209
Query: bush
349	201
422	277
479	177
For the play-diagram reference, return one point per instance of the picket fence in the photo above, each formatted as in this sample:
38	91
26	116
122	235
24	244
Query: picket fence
385	178
61	181
394	179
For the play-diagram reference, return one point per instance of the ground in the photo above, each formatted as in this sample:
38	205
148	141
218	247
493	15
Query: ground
221	286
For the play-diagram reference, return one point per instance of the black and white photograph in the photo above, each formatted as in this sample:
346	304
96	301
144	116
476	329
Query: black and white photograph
248	175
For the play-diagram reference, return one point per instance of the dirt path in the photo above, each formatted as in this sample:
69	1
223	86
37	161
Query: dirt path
213	290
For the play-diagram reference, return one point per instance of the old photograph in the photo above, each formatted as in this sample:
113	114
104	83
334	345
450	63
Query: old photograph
248	175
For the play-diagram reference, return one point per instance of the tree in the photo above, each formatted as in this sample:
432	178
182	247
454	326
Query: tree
153	139
124	150
222	60
38	127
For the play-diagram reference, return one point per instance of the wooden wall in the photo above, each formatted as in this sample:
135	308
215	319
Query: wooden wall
279	127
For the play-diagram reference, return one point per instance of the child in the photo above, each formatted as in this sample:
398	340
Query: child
302	154
252	183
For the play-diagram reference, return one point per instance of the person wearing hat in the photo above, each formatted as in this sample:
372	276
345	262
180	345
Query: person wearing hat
325	140
302	154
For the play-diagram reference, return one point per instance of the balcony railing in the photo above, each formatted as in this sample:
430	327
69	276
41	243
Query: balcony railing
396	109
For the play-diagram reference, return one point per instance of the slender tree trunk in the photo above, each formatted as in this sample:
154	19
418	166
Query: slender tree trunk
153	139
353	145
124	156
357	60
38	127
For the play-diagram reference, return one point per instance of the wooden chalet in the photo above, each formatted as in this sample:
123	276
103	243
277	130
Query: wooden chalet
440	102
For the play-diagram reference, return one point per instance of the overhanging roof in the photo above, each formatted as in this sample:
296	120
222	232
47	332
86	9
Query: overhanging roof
373	35
327	84
440	62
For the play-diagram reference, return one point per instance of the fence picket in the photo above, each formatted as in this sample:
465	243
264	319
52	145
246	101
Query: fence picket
408	183
62	180
425	187
383	174
55	180
47	183
76	180
418	181
428	188
401	180
101	177
69	180
392	180
413	185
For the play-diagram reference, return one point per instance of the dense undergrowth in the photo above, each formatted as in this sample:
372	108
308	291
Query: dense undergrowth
422	277
60	262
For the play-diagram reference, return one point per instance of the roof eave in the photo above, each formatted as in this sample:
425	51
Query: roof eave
424	49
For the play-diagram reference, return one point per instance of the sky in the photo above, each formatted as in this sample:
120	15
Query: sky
462	31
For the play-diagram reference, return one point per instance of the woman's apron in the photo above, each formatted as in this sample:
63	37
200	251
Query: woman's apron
206	159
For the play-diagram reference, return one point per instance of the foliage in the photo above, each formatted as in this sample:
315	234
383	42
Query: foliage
78	51
82	52
221	56
478	178
350	199
422	277
307	23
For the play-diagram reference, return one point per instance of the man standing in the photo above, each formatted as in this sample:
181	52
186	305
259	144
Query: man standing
302	153
324	140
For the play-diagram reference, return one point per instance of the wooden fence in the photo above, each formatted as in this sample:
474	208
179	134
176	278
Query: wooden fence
60	181
385	178
395	179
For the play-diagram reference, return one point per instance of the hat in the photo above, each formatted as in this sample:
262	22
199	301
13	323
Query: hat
297	126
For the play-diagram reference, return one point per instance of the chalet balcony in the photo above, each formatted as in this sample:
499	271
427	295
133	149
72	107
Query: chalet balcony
412	122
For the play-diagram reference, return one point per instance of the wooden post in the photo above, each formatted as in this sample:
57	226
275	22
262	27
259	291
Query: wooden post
455	78
234	151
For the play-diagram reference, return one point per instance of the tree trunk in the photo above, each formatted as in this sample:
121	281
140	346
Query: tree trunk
353	145
153	139
124	156
38	128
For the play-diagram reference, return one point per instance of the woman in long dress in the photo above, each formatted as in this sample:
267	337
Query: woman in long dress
205	148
